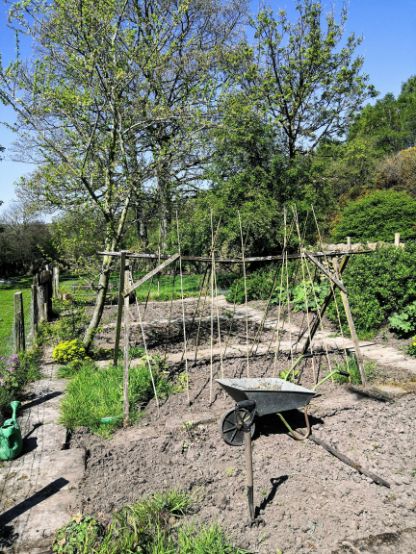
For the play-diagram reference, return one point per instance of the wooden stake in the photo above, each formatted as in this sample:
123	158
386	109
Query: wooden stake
249	469
120	302
126	405
55	281
34	314
397	240
19	323
354	337
245	289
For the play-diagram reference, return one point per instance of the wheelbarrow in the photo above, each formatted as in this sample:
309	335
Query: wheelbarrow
257	397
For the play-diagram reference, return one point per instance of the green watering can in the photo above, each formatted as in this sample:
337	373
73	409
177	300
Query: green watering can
10	436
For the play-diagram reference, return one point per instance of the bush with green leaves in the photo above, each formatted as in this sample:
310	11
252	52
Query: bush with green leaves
93	394
377	216
379	284
68	351
403	323
150	526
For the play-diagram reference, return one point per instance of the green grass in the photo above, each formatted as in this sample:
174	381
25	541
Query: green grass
16	372
7	312
95	393
150	527
164	288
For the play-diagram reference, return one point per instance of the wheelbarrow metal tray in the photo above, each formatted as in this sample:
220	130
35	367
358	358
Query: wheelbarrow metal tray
271	395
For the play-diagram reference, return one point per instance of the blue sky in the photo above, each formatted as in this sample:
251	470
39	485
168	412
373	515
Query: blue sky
388	28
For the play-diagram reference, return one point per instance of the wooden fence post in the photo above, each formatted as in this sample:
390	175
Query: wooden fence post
19	323
34	313
126	301
397	240
349	243
55	281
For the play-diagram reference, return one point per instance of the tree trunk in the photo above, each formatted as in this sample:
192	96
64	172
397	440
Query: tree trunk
111	244
99	302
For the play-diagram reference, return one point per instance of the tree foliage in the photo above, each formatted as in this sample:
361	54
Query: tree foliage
377	216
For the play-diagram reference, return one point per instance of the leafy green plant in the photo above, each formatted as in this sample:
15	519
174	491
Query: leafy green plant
94	393
308	294
404	322
149	527
68	351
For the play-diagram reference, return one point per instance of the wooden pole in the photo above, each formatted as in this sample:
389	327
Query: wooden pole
249	469
55	281
34	313
397	240
354	337
19	323
126	405
120	303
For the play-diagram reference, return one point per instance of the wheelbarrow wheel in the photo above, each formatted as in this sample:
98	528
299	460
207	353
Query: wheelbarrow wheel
231	427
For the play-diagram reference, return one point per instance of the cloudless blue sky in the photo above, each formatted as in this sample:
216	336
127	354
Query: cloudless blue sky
388	28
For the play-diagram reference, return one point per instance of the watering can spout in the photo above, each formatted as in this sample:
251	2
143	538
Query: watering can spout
15	405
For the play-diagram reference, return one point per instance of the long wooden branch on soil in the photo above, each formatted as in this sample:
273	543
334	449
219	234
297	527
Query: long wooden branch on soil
358	467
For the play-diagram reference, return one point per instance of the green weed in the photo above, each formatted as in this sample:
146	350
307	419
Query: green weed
149	527
95	393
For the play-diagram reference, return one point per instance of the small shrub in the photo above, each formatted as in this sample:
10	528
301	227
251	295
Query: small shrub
310	294
404	322
68	351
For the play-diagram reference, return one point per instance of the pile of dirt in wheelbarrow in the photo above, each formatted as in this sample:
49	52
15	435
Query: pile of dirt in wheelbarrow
308	501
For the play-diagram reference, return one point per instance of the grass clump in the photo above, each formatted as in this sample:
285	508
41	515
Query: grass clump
95	393
151	526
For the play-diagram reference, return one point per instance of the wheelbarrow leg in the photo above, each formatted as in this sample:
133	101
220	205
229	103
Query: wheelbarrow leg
249	470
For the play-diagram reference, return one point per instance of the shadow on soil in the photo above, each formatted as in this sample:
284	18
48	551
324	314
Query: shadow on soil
272	425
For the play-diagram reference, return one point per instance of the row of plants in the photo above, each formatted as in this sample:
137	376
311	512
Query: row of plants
152	526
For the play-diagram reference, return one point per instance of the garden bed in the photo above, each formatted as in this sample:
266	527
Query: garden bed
310	501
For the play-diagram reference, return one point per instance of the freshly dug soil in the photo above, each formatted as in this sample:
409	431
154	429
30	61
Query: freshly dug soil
308	501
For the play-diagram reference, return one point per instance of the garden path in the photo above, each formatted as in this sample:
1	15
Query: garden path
37	490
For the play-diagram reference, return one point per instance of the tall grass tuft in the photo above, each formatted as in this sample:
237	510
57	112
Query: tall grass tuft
95	393
151	526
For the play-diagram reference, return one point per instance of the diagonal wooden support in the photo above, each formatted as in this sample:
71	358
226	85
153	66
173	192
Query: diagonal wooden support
317	318
328	273
151	274
353	332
